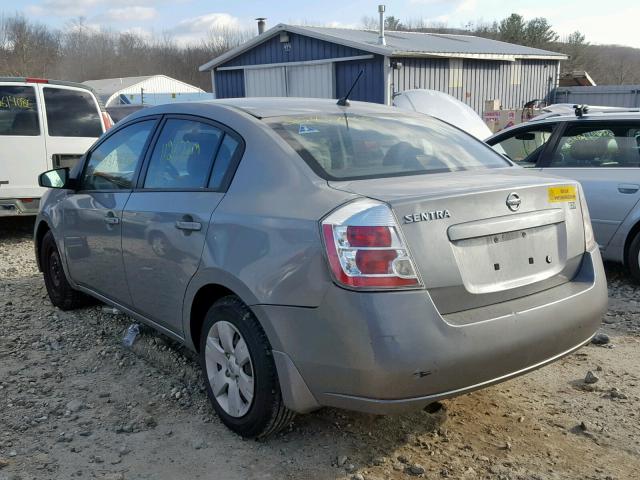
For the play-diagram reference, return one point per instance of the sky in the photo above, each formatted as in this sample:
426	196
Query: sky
190	20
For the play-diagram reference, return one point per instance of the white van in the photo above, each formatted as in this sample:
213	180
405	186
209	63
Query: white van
44	124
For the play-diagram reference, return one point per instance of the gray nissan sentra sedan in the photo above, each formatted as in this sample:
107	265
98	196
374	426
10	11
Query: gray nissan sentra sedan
315	255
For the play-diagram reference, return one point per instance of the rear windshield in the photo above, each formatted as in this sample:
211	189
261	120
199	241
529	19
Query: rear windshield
71	113
18	111
351	146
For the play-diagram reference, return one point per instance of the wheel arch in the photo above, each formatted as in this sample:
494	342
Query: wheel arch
204	289
41	230
633	232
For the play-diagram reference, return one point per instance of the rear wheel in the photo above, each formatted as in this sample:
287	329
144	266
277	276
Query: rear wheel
239	372
61	293
633	258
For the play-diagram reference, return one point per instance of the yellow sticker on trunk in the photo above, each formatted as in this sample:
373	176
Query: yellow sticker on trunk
566	193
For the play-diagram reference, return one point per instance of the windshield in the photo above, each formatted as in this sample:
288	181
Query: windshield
350	146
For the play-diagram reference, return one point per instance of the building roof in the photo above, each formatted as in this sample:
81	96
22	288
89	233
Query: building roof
402	44
107	88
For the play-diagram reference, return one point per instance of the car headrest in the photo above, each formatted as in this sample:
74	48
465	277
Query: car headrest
589	148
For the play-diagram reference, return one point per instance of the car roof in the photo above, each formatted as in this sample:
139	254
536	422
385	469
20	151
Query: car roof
264	107
587	117
599	116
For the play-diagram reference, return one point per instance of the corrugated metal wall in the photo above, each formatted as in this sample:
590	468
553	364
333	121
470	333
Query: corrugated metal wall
514	83
601	95
370	88
299	48
266	82
229	84
315	81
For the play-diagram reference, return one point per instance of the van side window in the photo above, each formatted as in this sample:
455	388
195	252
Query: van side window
18	111
223	161
71	113
183	155
113	163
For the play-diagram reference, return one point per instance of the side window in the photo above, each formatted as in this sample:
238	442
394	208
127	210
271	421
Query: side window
584	146
71	113
223	162
183	155
113	163
524	147
18	111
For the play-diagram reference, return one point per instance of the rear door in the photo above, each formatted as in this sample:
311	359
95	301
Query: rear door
92	215
73	123
605	158
22	156
166	218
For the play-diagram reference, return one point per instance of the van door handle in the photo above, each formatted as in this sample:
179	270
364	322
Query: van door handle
628	188
189	226
111	219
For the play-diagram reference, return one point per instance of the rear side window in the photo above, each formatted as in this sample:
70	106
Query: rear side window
18	111
112	165
183	156
351	146
222	168
71	113
610	146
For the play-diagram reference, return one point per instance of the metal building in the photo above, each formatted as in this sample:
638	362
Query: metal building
290	60
602	95
150	90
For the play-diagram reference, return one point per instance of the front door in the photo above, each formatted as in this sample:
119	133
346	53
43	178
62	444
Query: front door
166	218
93	214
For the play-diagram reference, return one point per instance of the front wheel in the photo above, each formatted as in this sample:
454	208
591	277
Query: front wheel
61	293
240	375
633	258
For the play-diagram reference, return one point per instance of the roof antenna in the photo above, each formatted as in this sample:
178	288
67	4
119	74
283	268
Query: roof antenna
344	101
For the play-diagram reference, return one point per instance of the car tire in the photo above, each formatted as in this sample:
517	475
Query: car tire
61	293
633	258
237	363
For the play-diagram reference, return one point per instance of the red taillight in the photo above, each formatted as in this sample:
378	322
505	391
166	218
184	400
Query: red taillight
375	262
36	80
106	119
369	236
367	256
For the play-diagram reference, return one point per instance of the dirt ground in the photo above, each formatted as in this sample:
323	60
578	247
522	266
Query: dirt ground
75	404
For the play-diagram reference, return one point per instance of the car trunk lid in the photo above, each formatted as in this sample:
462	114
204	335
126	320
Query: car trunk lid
471	248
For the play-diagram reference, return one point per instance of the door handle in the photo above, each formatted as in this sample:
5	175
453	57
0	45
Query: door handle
111	219
189	226
628	188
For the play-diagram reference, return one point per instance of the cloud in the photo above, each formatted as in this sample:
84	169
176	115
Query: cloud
195	29
79	8
133	13
63	8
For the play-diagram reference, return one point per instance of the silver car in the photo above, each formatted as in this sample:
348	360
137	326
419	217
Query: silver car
602	151
321	255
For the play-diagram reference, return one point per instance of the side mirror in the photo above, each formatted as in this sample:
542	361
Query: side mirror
56	178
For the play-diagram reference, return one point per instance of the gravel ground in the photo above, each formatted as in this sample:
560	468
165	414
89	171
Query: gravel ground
75	404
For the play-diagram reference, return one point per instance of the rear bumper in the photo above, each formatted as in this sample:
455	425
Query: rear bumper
12	207
391	352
